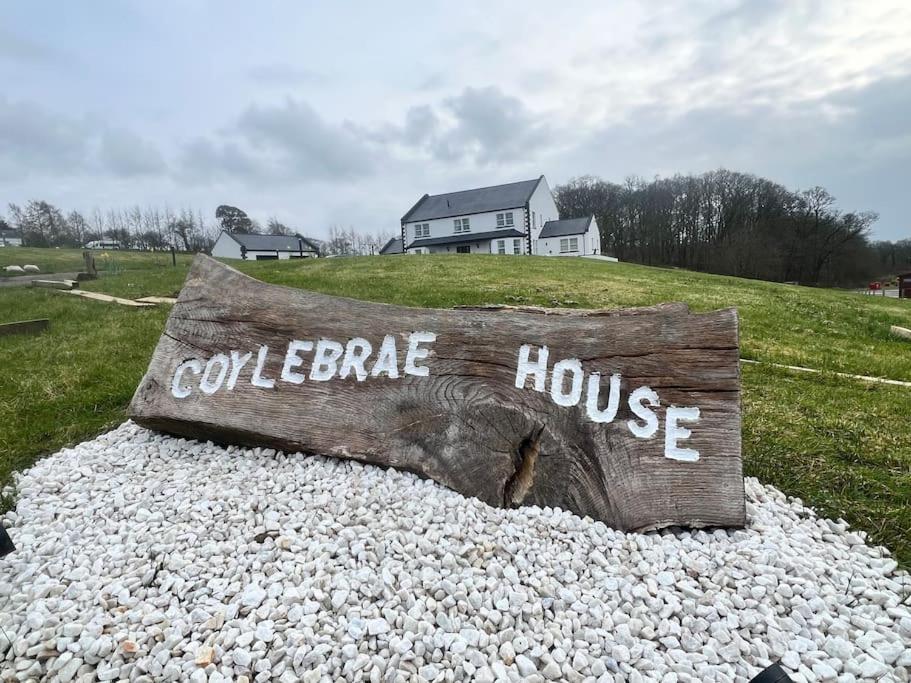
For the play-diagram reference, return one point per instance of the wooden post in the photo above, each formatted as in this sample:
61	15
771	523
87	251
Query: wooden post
631	416
88	260
173	256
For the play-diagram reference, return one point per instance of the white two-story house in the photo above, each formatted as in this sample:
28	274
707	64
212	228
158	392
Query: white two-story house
502	219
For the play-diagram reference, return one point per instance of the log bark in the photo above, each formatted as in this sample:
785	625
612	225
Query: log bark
466	424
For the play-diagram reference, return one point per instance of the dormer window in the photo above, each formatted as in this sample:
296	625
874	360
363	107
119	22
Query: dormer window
505	220
461	225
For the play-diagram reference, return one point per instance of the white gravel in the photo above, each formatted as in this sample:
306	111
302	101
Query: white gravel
146	558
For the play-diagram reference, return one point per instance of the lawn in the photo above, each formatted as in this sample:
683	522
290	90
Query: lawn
843	446
70	260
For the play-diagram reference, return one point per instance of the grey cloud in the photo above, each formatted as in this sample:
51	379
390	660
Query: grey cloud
18	49
491	126
125	154
35	141
284	143
857	155
420	125
484	125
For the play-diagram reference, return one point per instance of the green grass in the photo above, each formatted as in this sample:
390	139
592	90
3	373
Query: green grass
70	260
841	445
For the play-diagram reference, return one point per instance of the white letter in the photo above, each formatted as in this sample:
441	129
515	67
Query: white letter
325	360
613	399
354	360
525	368
386	360
237	364
206	385
672	432
292	360
258	380
651	420
416	353
556	382
178	391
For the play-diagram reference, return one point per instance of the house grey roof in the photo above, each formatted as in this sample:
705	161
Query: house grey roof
568	226
467	202
393	246
10	233
466	237
273	242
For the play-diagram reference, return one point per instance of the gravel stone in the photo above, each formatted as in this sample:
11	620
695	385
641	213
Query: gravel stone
143	557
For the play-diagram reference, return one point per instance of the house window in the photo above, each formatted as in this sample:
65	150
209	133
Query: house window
505	220
501	246
568	244
463	250
421	230
534	220
461	225
517	246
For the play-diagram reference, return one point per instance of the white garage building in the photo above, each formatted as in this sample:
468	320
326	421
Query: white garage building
264	247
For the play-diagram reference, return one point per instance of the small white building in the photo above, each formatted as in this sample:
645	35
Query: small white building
501	219
264	247
570	237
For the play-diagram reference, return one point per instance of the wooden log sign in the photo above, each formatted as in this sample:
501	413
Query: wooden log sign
631	417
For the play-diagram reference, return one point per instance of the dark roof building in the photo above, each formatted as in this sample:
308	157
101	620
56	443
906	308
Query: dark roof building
242	246
567	226
393	246
467	202
273	242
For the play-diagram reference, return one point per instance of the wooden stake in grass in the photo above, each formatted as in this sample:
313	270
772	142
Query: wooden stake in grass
631	417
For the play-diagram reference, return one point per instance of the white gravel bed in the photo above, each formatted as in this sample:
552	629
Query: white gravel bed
148	558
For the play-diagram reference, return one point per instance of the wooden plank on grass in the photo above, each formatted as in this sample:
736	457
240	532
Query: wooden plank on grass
157	300
55	284
631	417
107	298
24	327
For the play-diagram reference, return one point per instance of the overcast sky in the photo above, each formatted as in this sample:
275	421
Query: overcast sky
347	113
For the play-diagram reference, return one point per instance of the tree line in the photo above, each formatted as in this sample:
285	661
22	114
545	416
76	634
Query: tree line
42	224
734	224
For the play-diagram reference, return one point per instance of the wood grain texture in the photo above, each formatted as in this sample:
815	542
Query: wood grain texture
466	425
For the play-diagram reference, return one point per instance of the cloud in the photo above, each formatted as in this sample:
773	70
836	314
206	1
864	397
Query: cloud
39	142
34	140
16	48
482	126
127	155
282	143
285	75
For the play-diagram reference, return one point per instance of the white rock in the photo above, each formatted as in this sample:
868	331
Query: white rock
252	596
378	575
377	626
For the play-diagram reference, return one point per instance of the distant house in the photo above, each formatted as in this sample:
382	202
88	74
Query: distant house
10	238
264	247
502	219
393	246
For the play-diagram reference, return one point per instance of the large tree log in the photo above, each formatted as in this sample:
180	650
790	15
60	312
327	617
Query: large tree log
455	402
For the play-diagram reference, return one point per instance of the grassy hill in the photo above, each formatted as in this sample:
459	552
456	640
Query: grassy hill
842	445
